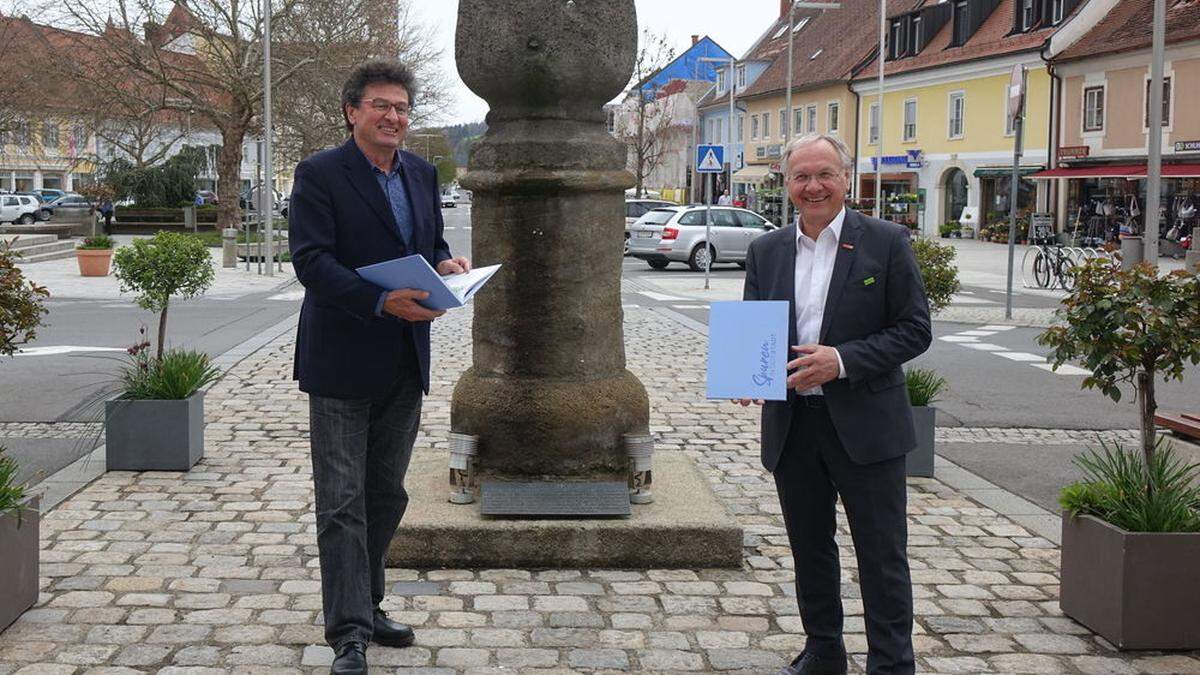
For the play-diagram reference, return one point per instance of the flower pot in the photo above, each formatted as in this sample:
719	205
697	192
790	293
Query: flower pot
19	564
94	262
919	462
1137	590
154	435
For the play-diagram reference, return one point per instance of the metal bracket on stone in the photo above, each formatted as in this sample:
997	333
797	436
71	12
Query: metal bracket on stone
463	448
641	451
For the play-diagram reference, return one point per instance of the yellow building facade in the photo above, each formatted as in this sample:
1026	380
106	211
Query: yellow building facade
946	135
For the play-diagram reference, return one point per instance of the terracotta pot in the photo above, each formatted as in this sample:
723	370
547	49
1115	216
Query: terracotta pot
94	262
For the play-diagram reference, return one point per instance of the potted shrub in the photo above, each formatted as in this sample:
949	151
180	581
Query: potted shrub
21	312
95	256
19	521
923	388
948	229
1131	527
156	421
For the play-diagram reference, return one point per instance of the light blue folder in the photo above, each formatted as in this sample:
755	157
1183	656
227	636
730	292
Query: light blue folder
748	350
414	271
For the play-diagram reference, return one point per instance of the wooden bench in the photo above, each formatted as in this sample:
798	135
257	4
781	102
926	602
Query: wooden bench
1186	425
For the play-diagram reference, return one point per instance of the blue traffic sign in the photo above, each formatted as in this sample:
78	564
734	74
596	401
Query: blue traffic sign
710	158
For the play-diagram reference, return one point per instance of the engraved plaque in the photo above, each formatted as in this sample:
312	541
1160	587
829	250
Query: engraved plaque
579	499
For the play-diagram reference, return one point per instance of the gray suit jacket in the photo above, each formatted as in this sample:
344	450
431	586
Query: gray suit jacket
876	326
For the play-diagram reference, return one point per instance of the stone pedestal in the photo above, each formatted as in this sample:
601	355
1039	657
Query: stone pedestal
549	394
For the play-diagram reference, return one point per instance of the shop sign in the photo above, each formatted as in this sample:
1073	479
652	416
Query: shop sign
912	159
775	167
1041	226
1187	146
1074	151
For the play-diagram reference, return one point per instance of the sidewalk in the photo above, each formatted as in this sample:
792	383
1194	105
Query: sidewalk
215	570
62	278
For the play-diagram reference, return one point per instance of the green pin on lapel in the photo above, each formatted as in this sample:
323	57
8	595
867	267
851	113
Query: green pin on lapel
868	281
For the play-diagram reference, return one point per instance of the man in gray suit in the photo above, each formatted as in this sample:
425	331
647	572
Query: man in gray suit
858	312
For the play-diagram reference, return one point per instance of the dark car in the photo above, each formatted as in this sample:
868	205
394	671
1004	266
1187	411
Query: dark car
71	207
50	194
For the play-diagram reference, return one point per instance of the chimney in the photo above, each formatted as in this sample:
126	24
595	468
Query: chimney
695	39
784	6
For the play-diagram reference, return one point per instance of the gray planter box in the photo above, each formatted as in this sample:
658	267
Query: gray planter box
1137	590
154	435
19	563
920	460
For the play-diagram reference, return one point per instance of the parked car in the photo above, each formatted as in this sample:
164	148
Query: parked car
71	207
283	206
636	208
449	199
50	194
676	234
21	209
205	197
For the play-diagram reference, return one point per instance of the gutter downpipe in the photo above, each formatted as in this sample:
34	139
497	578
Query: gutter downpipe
854	187
1052	132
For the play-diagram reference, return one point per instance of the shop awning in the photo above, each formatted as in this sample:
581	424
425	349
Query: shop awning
1181	170
1109	171
1002	171
753	173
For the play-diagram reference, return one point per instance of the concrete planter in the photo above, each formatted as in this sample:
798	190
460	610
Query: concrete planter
920	460
94	262
154	435
19	563
1137	590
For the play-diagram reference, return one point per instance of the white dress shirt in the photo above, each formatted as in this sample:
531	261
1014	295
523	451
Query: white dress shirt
814	268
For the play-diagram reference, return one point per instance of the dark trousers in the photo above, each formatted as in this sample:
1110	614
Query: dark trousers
360	452
812	473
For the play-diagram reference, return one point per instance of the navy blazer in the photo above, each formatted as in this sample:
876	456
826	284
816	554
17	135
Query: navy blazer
876	315
340	219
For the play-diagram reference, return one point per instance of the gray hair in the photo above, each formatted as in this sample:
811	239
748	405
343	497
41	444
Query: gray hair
808	139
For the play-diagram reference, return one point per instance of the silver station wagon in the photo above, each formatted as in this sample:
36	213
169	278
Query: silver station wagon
676	234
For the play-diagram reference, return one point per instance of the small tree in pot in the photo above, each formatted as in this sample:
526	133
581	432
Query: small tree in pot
156	422
1128	568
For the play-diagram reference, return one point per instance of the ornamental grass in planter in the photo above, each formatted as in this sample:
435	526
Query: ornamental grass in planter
1131	527
924	386
19	522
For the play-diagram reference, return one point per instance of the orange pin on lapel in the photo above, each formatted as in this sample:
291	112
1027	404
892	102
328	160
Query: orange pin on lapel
848	247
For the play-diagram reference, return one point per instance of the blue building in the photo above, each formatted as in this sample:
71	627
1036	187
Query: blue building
688	65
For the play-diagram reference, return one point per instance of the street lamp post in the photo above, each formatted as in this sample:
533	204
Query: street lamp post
878	211
1154	123
267	194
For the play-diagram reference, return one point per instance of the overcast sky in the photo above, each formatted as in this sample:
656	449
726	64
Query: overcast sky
734	26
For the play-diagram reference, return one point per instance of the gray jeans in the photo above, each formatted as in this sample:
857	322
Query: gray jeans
360	453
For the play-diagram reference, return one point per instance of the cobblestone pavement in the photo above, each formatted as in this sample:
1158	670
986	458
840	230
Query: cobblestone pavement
51	430
215	570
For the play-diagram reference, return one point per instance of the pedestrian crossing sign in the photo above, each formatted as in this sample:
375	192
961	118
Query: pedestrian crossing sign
710	159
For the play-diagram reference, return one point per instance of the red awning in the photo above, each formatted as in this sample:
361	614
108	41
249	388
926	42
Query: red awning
1119	171
1113	171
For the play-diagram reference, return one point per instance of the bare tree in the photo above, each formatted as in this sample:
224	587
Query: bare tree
206	55
645	119
329	30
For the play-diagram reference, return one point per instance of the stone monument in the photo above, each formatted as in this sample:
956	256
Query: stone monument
548	406
549	395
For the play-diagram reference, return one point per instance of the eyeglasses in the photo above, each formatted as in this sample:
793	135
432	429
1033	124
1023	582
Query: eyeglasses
825	177
382	106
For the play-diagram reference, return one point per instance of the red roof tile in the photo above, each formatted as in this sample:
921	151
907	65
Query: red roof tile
1128	27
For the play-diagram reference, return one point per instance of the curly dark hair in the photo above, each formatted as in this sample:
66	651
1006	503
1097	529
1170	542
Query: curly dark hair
388	71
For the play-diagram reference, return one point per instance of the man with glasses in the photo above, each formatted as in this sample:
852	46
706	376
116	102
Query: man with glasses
858	312
362	351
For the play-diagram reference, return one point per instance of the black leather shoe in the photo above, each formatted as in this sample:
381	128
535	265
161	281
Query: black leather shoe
391	633
351	660
811	664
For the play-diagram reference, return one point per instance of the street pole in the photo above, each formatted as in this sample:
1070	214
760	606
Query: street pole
1018	132
267	195
729	131
878	211
1154	160
707	229
786	205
